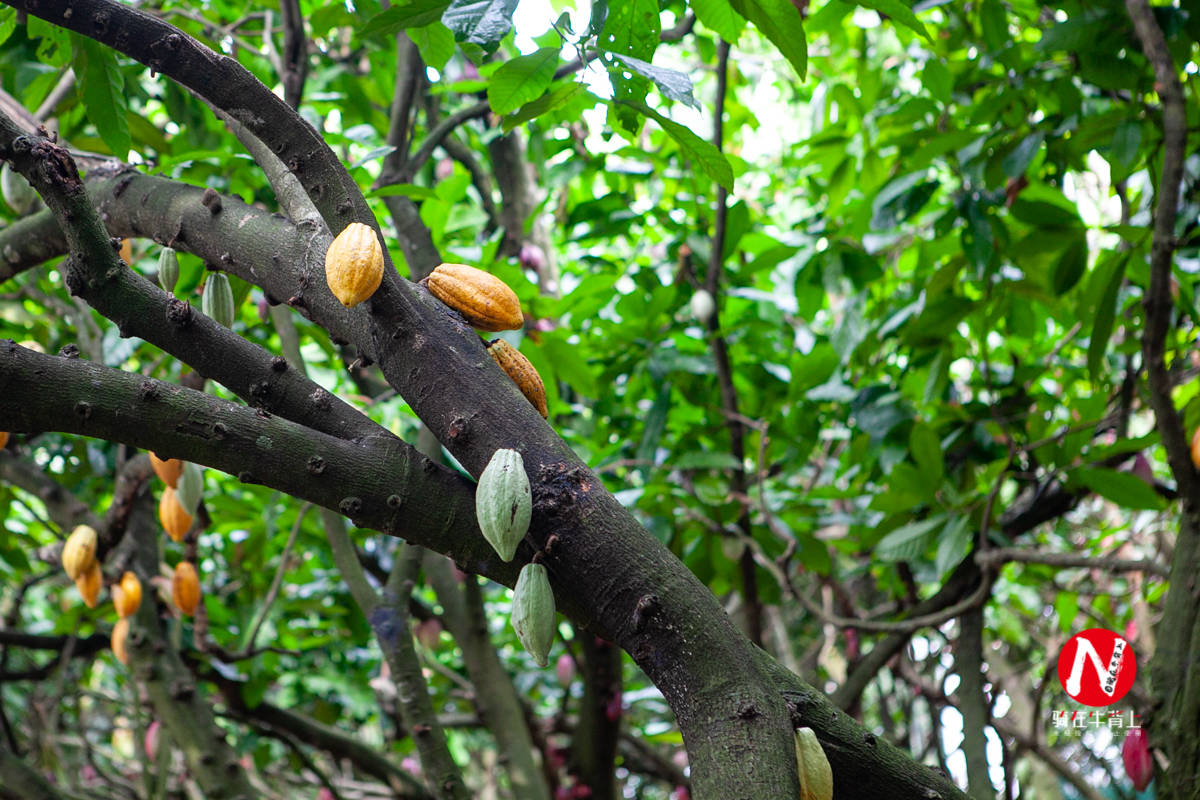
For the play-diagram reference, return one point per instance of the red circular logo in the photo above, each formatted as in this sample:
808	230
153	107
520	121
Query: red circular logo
1096	667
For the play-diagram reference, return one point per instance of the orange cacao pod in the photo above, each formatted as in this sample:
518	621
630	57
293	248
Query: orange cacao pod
523	374
127	595
168	469
126	251
79	552
3	439
89	584
120	633
354	264
185	587
484	300
174	518
1196	448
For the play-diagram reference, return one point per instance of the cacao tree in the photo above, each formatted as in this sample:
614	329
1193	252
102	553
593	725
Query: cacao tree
847	358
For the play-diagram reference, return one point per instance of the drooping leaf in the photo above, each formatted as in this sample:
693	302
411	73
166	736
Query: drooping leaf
434	42
898	11
103	92
1122	488
674	85
710	159
481	22
780	22
403	15
720	16
909	542
548	102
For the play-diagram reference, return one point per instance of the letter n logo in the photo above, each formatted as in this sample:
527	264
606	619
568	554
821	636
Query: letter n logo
1096	667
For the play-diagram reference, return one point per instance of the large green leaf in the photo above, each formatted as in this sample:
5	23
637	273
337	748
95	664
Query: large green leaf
910	541
720	16
898	11
522	79
780	22
103	92
481	22
703	153
1122	488
414	14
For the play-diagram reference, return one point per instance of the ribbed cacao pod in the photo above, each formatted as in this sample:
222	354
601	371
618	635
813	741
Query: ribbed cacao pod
168	269
185	588
484	300
816	776
523	373
17	192
217	300
503	502
167	470
354	264
126	251
3	439
89	584
120	633
1135	753
190	488
79	552
127	595
174	518
1196	448
533	613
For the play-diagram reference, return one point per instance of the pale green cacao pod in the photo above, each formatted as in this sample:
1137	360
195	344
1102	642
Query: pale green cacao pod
533	614
503	502
190	487
217	300
20	196
168	269
816	776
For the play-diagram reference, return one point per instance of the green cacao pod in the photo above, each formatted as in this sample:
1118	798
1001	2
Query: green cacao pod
503	502
190	488
816	776
484	300
168	269
79	552
533	614
354	264
20	196
217	300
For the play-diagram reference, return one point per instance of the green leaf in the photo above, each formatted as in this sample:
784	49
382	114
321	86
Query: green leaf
8	22
703	153
656	423
631	29
927	452
674	84
780	22
897	11
103	93
546	103
910	541
522	79
1122	488
572	370
1016	162
481	22
434	42
403	190
719	16
1108	276
954	542
1070	266
414	14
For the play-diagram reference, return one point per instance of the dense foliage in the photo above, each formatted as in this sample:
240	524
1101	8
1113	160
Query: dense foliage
920	390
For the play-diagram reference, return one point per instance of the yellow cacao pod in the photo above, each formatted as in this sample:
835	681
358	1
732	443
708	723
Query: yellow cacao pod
79	553
523	373
3	439
816	776
120	633
168	470
127	595
354	264
174	518
89	584
484	300
185	588
126	251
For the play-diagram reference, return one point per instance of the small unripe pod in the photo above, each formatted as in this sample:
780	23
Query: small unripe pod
89	584
533	612
217	300
503	502
127	595
120	633
168	470
185	588
79	552
168	269
354	264
485	301
174	518
703	306
816	776
523	373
